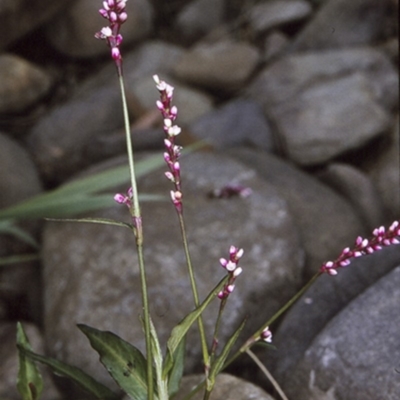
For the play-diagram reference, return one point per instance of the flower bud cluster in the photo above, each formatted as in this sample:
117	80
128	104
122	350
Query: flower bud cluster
266	335
125	199
114	12
380	238
231	265
172	151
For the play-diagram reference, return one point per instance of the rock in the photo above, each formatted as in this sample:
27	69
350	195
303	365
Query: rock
287	77
223	66
72	32
340	23
356	187
273	14
391	49
384	172
153	57
274	44
22	83
93	277
321	303
359	343
67	140
9	362
195	20
227	387
20	282
315	100
237	122
330	119
326	221
18	17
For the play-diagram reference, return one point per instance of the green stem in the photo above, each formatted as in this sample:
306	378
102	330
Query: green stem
256	336
138	231
216	329
206	357
265	371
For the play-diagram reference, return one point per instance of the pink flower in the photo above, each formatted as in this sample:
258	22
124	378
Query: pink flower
172	151
114	12
231	265
380	238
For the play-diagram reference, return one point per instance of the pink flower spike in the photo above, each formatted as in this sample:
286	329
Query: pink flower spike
230	288
174	130
232	250
329	264
266	335
113	16
120	198
123	17
331	271
239	254
115	53
359	240
230	266
346	251
118	40
167	143
174	111
106	32
177	166
103	12
169	176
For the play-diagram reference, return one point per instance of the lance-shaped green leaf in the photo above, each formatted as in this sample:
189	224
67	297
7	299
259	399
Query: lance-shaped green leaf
162	384
8	227
176	373
219	362
179	332
29	381
100	221
124	362
82	379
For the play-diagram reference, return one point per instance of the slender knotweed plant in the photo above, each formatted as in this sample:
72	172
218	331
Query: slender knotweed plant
156	376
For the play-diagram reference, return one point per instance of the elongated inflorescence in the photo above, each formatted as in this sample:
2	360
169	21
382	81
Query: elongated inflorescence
231	266
380	238
172	151
114	12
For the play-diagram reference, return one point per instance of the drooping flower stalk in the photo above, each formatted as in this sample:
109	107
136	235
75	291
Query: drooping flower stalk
380	238
114	12
171	156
